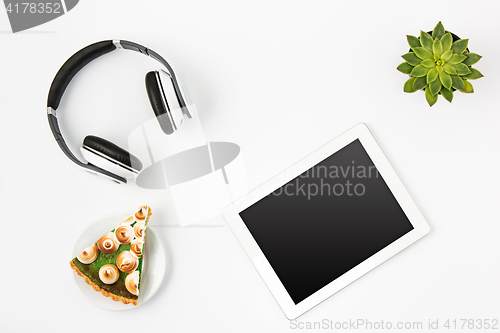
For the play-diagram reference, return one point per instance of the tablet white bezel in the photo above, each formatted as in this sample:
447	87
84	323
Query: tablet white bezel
259	260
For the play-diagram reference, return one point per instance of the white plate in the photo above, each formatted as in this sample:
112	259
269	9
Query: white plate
155	263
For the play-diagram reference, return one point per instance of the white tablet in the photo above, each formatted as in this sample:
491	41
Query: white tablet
326	221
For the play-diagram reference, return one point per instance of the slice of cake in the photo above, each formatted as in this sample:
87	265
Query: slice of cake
113	264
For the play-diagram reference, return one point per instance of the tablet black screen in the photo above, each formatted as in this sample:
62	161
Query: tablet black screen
326	221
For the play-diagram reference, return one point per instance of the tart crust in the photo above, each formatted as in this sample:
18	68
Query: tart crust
123	299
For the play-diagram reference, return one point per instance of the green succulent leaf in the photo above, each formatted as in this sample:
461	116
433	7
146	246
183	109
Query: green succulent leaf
413	41
405	68
423	53
432	74
439	69
462	69
456	59
475	74
472	58
411	58
457	82
446	41
408	87
426	40
435	87
446	55
420	83
459	46
468	88
450	69
428	63
438	31
437	47
431	99
419	71
447	94
445	79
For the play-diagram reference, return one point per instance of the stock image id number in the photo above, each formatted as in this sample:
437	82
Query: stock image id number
471	324
32	8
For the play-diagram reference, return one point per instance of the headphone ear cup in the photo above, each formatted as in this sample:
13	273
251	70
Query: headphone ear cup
108	156
156	99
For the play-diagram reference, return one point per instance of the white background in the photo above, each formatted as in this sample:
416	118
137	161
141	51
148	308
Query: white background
279	78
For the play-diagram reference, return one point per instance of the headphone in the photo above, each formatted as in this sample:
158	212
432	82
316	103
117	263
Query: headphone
104	157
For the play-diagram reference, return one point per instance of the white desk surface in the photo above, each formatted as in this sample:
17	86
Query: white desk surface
279	78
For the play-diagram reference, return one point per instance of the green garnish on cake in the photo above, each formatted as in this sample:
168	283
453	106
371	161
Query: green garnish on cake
113	264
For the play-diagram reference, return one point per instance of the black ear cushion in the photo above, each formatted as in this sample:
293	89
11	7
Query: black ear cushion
156	100
113	151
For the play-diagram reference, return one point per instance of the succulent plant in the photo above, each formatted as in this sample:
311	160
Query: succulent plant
439	65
